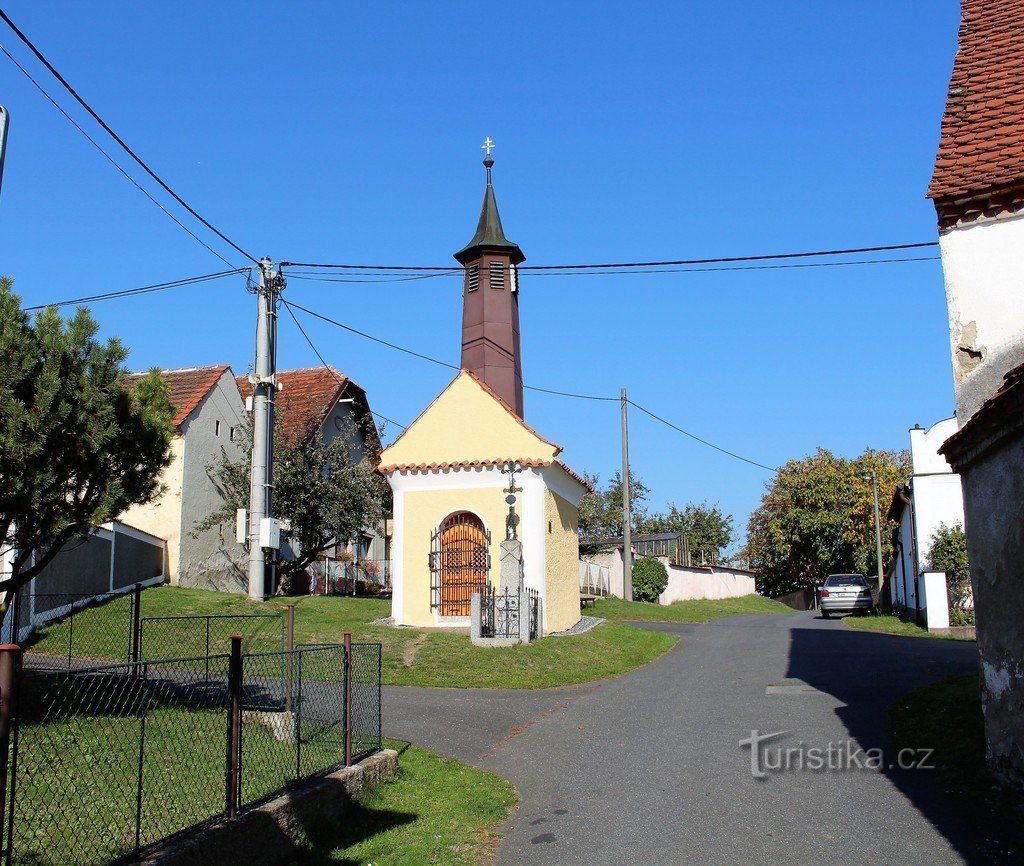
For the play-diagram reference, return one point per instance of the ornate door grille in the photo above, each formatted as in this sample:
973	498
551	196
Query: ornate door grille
459	563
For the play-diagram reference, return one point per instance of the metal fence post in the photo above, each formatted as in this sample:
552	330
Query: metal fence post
10	656
296	723
142	757
234	736
71	633
289	645
347	666
137	623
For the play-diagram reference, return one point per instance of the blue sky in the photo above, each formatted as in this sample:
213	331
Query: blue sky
350	133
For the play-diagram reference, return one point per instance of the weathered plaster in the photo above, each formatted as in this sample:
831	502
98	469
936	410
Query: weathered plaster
984	272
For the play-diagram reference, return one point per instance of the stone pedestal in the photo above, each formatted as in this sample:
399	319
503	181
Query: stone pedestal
511	573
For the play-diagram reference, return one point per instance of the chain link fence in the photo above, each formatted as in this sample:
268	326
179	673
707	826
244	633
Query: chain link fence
107	760
161	636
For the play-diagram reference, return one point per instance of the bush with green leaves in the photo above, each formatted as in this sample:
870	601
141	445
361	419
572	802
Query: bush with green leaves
948	553
649	579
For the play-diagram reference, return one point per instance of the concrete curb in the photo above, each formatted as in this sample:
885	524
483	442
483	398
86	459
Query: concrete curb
273	832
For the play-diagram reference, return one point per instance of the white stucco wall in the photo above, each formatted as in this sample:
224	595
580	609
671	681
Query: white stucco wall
701	583
935	599
983	267
902	589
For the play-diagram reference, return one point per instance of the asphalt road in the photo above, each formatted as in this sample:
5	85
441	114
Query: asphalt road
647	768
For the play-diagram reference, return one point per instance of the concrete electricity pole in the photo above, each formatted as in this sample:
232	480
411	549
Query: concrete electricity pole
5	121
264	531
878	534
627	537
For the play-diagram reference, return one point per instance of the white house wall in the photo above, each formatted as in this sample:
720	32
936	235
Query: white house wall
983	266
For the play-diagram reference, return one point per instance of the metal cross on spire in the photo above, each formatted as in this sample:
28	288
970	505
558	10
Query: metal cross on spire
487	145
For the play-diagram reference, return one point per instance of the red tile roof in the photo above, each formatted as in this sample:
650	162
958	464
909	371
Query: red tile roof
982	144
187	387
485	464
305	398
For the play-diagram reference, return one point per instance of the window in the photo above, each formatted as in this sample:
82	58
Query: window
231	434
497	275
515	279
216	428
473	278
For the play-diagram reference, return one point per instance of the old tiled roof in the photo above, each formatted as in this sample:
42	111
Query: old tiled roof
485	464
998	417
187	387
982	144
305	398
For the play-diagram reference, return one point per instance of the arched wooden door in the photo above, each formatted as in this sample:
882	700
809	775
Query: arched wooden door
460	562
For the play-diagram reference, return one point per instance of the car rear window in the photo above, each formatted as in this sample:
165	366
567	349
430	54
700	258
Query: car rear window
846	580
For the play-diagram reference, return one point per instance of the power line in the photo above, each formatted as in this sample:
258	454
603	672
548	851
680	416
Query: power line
363	334
699	439
710	261
142	290
395	278
119	140
330	369
109	158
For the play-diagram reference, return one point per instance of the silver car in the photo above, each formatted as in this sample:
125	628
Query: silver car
845	593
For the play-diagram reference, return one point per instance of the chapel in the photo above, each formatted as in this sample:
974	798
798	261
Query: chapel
470	472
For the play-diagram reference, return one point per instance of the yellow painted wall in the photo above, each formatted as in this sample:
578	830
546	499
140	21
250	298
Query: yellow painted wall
162	516
562	561
424	511
466	423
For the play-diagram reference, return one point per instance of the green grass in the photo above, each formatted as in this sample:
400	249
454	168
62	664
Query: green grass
701	610
78	773
411	657
888	624
434	810
946	716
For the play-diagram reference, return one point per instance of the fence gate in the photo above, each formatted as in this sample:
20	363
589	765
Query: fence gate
459	563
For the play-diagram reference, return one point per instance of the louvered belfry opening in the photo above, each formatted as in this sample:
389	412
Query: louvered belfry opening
459	563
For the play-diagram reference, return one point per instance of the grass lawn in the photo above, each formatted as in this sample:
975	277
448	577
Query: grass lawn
889	624
947	716
78	773
411	657
434	810
701	610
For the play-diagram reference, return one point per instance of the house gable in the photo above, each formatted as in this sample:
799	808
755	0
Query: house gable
467	425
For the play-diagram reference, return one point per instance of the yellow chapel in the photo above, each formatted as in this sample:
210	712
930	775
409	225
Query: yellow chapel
470	471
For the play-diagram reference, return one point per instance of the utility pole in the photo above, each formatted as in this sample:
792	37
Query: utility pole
5	121
264	531
878	535
627	537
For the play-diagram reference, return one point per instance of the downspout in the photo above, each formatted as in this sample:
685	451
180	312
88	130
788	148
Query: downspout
909	501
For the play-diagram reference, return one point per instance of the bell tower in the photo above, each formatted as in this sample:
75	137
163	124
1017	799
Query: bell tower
490	302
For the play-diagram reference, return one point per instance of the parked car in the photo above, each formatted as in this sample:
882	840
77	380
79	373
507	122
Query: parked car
845	593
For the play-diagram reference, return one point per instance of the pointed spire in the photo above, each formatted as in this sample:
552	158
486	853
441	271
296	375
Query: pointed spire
489	233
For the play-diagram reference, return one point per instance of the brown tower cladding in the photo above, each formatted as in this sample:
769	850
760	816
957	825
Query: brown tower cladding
490	303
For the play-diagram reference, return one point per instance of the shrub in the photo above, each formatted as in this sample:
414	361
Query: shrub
948	553
649	579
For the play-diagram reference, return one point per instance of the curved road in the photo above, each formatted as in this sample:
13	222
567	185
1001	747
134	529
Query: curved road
647	768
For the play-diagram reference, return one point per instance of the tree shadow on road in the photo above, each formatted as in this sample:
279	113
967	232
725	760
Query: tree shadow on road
868	671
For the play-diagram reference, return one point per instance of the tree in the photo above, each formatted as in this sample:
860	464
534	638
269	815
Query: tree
708	530
325	491
77	447
817	518
650	577
948	553
600	512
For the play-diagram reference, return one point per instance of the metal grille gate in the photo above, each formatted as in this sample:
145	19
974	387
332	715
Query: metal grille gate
460	562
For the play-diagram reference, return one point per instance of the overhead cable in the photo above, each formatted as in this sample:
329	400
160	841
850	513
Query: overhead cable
121	141
109	158
327	366
652	264
142	290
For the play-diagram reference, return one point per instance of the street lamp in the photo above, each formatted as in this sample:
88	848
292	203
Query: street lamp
878	529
